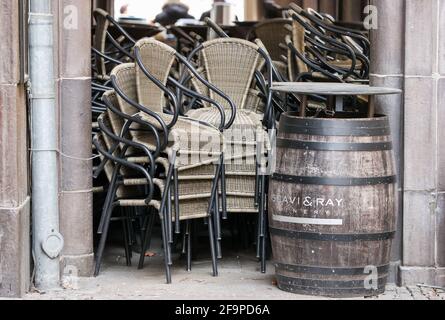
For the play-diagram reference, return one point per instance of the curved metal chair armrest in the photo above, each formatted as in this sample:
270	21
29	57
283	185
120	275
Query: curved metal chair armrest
196	36
121	30
188	65
203	98
105	130
219	31
118	46
136	119
130	165
100	87
317	18
324	63
308	62
183	34
105	56
329	40
160	85
165	127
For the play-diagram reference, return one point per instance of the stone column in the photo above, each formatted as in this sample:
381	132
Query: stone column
253	10
351	10
310	4
387	69
14	196
73	39
329	6
424	190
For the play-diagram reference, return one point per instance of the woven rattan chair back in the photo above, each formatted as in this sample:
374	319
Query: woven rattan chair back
100	37
125	75
272	32
230	65
158	59
116	122
126	80
298	35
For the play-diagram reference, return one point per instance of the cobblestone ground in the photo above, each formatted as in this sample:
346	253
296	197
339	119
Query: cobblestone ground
239	279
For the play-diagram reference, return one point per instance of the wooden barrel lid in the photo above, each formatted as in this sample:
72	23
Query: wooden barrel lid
331	89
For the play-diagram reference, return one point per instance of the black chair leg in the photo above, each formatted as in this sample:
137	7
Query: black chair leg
189	245
166	201
218	232
212	247
131	235
258	238
108	201
223	191
124	220
177	213
146	239
257	186
263	224
169	215
184	242
103	239
166	253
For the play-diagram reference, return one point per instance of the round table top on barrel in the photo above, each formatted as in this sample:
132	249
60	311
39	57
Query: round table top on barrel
331	89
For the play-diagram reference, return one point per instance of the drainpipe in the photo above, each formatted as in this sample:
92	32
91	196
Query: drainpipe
47	241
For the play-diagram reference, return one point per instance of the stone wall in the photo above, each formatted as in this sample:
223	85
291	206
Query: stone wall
424	190
409	53
73	78
14	196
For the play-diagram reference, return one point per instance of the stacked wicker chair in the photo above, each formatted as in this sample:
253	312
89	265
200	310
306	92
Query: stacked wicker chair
320	51
192	167
125	120
235	66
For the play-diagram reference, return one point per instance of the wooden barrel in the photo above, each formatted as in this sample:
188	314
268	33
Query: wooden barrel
332	205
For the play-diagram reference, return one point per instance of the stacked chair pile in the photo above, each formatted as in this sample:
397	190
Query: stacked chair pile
180	139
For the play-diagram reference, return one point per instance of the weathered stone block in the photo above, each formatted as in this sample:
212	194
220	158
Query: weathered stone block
420	134
74	43
419	229
441	134
76	136
421	35
441	23
412	276
440	234
13	146
9	49
15	251
388	43
81	266
76	223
